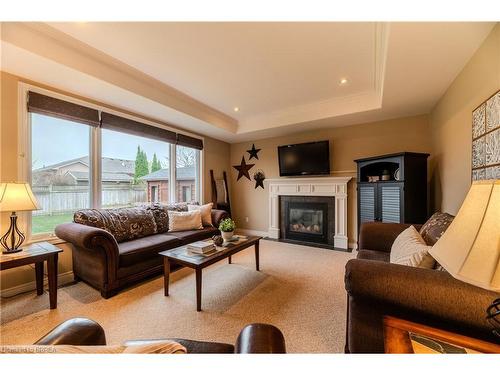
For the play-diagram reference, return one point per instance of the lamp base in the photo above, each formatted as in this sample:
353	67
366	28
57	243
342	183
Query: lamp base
11	251
13	239
493	316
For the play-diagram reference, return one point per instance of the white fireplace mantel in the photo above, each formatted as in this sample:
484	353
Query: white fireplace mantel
315	186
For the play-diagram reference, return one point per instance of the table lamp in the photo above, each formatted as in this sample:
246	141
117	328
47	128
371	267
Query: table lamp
470	248
15	196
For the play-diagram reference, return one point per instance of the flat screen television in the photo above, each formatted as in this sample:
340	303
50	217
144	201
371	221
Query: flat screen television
303	159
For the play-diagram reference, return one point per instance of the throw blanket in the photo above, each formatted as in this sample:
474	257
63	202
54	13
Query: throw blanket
157	347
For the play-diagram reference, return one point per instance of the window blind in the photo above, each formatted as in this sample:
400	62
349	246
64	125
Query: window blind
125	125
49	106
186	140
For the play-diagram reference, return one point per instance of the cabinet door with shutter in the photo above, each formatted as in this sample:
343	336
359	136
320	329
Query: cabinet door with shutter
367	195
390	198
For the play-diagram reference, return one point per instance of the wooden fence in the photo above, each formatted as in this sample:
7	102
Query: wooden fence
68	199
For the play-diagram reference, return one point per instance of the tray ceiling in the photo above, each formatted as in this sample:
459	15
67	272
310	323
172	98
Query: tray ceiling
281	76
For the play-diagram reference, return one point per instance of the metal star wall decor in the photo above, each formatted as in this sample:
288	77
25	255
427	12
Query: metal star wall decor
259	178
243	169
253	152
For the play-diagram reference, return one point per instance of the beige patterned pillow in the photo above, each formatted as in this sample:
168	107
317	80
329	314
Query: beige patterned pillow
206	213
187	220
409	249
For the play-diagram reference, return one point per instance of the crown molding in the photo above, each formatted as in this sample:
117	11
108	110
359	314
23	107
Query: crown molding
44	40
332	107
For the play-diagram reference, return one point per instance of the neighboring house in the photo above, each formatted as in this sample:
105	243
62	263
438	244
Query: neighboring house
158	184
76	172
117	180
64	187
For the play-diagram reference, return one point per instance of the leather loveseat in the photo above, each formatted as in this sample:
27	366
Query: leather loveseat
254	338
113	248
376	288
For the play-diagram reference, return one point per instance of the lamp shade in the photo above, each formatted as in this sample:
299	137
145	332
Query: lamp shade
470	248
16	196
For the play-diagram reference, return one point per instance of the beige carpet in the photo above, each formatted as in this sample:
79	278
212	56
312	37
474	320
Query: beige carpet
299	289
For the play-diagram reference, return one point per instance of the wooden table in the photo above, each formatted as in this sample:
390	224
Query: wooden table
37	253
180	256
399	335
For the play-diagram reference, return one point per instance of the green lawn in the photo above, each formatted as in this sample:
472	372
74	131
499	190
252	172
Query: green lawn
46	223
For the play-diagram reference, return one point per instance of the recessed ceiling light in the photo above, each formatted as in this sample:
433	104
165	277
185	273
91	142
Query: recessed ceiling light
343	81
236	109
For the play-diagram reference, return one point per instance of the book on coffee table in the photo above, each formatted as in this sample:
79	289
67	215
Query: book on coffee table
201	247
190	255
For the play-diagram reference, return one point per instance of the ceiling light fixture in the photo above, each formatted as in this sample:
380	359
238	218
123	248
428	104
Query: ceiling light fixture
343	81
236	109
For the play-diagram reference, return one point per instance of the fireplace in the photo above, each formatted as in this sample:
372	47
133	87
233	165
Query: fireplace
307	219
332	188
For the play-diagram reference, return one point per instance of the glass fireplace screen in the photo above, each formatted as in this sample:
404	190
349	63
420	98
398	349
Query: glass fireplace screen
306	220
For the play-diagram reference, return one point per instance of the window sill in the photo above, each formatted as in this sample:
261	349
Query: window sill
50	239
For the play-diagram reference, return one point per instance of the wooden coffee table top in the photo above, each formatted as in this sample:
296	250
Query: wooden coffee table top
181	255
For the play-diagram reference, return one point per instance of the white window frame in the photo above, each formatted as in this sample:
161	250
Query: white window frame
198	196
95	152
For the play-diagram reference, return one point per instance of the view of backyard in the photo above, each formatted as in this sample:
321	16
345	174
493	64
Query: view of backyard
47	223
134	170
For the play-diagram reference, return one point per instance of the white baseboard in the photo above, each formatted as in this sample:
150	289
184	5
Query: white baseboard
62	278
251	232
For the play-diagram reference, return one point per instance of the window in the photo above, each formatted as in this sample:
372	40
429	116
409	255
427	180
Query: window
59	170
154	194
82	157
134	170
186	193
186	174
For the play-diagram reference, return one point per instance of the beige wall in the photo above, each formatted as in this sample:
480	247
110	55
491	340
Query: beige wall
451	124
216	157
346	144
446	134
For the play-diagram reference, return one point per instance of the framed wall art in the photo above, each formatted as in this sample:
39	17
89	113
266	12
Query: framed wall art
486	139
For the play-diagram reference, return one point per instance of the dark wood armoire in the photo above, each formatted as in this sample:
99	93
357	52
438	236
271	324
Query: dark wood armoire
392	188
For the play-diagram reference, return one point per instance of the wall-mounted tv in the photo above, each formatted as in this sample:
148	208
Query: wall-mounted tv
303	159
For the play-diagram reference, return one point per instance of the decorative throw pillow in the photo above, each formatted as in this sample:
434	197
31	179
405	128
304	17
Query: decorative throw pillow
180	207
124	224
410	249
439	267
434	228
160	214
189	220
206	213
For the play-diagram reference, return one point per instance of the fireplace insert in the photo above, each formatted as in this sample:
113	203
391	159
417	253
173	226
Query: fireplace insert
307	219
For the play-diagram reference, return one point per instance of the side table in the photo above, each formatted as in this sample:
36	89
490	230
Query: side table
37	253
405	337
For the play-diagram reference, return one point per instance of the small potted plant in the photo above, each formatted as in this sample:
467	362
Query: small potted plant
226	228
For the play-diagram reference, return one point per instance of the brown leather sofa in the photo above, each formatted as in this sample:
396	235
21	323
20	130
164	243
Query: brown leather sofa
109	262
377	288
254	338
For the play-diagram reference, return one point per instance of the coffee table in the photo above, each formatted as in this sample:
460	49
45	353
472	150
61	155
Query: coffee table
181	256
